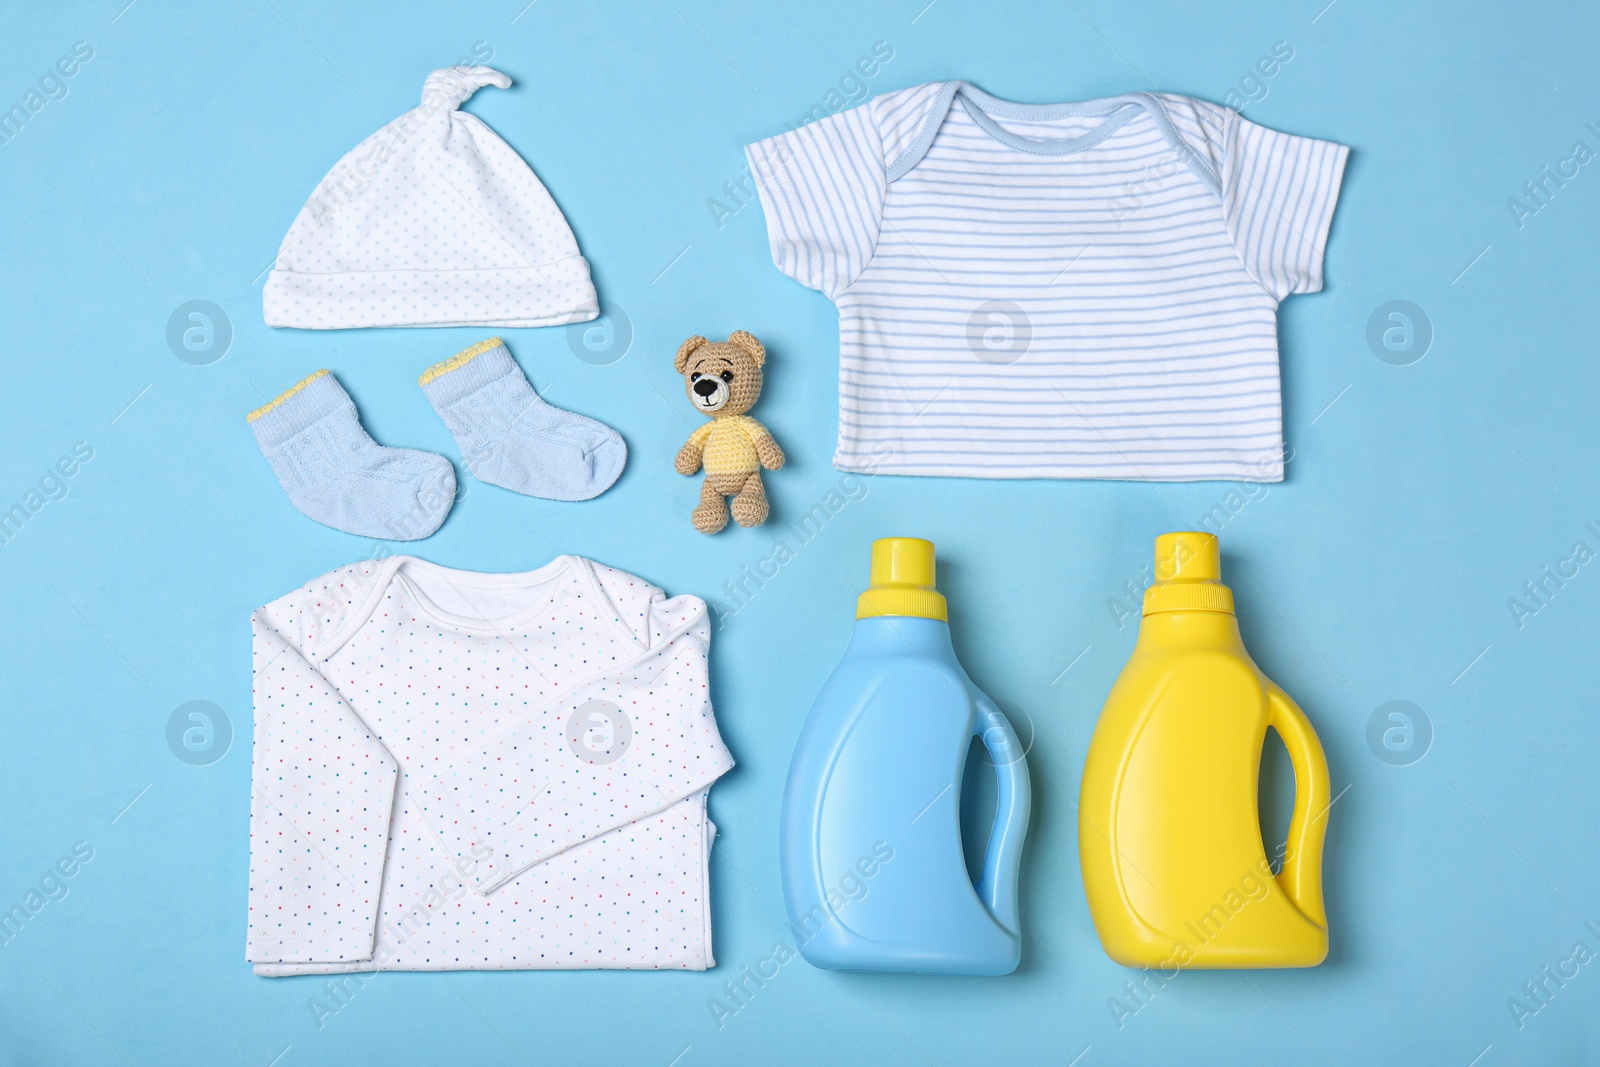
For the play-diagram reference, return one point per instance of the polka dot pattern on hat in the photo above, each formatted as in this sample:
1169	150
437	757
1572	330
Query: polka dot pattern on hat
432	221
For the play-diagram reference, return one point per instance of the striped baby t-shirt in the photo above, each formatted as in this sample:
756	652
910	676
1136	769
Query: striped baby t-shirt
1052	290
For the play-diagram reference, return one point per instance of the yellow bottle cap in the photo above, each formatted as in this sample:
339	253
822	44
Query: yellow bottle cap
1188	575
902	581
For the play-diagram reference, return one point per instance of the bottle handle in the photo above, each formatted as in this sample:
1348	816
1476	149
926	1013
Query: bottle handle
997	886
1301	877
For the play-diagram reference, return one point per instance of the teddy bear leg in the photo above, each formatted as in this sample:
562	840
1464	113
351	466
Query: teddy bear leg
711	514
750	506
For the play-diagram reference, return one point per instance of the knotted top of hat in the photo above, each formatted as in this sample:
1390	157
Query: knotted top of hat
453	86
431	221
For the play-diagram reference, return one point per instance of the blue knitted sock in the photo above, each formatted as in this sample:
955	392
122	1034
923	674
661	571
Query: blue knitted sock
336	474
510	437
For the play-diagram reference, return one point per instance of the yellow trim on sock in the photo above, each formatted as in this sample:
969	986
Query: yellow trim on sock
285	395
457	361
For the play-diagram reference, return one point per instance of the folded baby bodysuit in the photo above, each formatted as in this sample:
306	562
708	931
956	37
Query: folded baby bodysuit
456	770
1052	290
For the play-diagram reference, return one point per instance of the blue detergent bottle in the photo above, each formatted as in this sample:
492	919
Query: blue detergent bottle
874	873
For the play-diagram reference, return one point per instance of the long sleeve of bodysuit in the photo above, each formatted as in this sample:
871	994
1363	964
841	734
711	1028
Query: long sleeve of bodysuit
322	790
633	740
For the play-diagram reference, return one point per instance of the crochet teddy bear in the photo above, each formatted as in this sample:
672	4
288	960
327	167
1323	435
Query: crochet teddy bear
723	381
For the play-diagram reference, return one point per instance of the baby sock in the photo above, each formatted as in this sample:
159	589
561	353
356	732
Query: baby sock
510	437
336	474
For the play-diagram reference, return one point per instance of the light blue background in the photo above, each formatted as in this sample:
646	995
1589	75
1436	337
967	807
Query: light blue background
1417	505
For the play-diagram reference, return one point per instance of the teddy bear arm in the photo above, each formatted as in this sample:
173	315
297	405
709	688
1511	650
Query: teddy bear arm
767	449
689	456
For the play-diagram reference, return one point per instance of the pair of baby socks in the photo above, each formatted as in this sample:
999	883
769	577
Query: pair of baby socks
338	475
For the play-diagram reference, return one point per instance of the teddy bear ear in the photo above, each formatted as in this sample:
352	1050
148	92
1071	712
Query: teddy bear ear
686	350
747	343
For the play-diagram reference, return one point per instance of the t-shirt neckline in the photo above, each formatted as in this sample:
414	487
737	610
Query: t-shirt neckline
551	573
982	107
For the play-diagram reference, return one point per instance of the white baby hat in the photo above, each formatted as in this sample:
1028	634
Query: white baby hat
431	221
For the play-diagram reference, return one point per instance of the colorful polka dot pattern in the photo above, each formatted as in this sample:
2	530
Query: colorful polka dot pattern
417	805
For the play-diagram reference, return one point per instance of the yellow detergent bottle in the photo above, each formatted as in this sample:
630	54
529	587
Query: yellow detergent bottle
1169	834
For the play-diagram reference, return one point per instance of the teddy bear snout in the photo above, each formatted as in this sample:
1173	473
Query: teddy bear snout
710	394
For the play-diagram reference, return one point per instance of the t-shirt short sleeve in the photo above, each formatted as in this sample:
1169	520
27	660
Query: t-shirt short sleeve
822	189
1278	194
